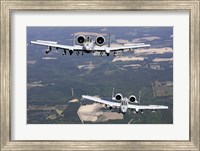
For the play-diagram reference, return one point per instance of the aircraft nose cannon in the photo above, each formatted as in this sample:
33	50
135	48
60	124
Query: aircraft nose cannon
153	111
107	50
87	47
136	111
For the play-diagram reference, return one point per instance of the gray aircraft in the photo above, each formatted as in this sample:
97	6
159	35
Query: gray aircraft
85	44
124	103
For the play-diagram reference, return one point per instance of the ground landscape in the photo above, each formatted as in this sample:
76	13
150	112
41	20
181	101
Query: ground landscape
51	77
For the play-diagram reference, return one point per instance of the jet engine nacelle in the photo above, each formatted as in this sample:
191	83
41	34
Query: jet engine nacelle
100	40
118	97
80	40
133	99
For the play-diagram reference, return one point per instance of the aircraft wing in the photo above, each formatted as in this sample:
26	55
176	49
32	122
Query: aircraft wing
99	100
147	107
120	48
128	47
55	45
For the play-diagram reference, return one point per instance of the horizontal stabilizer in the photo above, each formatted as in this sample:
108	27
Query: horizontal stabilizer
134	44
49	42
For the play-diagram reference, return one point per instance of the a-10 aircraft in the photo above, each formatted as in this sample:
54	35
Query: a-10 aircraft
125	104
85	44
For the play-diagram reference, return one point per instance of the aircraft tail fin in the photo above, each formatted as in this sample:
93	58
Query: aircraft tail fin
139	96
75	98
72	92
74	39
109	40
113	93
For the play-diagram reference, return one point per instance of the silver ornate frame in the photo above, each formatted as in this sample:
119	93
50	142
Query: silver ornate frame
7	6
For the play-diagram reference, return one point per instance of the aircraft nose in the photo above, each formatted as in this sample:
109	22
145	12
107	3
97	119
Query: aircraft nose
87	48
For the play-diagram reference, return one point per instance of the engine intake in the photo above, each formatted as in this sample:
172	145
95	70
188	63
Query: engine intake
100	40
132	99
118	97
80	40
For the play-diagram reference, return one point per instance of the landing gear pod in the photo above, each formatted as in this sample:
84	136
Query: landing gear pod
48	49
71	52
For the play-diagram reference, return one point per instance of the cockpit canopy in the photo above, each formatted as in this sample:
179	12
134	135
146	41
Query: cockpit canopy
88	39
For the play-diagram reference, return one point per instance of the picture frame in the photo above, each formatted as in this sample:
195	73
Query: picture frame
7	8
